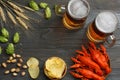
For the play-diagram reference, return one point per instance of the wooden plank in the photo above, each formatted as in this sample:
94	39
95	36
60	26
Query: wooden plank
51	38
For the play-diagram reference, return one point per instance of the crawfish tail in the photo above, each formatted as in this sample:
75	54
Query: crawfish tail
89	74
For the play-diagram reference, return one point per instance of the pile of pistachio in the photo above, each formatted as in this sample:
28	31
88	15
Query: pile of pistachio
42	5
4	38
19	65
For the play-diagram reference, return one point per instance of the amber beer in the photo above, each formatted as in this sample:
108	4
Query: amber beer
103	26
76	14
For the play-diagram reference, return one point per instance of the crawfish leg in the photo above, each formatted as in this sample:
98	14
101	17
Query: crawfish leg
104	52
76	75
76	66
75	60
85	51
92	45
84	78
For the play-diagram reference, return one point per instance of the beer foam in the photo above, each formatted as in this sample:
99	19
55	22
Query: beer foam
106	22
78	8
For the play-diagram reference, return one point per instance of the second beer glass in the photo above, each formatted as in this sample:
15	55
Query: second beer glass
74	14
103	27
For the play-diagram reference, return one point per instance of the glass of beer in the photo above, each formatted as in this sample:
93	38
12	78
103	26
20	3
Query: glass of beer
102	28
74	14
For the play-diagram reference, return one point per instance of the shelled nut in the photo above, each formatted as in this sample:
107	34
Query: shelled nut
20	60
13	70
19	64
4	65
14	55
14	74
8	61
18	56
14	60
23	73
7	72
17	70
24	66
10	58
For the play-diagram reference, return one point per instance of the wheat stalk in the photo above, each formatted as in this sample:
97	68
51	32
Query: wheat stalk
11	17
2	14
15	6
21	15
22	22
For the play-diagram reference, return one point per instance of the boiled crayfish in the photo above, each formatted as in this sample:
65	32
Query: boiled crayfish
91	64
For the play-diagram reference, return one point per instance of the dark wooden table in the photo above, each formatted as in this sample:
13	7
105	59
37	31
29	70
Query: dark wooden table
51	38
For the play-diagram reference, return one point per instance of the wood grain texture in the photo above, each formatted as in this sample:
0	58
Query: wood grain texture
50	38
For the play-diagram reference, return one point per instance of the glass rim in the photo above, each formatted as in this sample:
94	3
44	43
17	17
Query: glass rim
71	14
110	11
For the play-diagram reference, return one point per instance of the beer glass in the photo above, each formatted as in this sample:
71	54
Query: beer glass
102	28
74	14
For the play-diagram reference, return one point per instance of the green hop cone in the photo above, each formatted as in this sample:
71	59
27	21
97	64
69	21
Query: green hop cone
10	49
43	5
16	37
5	32
34	5
47	13
3	39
